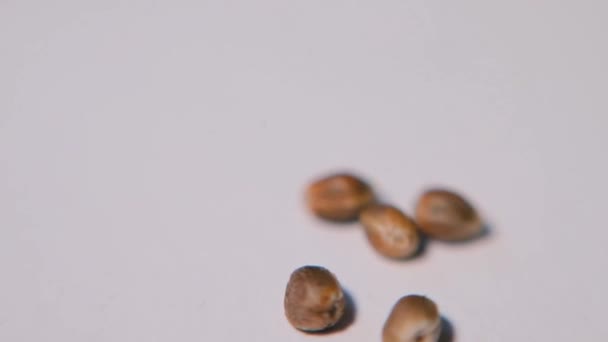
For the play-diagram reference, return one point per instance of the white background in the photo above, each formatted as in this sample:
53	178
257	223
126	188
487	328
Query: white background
153	157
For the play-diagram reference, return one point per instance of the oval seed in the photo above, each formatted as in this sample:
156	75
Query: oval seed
446	215
313	299
390	232
413	319
339	197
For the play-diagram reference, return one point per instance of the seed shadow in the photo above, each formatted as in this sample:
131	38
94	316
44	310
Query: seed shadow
332	223
422	247
448	333
486	232
348	318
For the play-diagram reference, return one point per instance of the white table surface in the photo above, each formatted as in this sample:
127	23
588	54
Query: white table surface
153	156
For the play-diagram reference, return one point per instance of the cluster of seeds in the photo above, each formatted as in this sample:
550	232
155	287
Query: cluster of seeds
439	214
314	299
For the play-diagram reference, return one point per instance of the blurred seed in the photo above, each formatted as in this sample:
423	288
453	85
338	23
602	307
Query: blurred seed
446	215
391	232
339	197
413	319
313	299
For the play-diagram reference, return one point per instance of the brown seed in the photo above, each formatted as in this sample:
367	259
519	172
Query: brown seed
413	319
313	299
339	197
390	231
445	215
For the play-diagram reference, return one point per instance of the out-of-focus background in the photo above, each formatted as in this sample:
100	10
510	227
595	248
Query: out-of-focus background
153	157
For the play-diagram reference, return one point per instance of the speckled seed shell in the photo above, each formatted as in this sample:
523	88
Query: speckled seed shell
446	215
391	232
313	299
339	197
413	319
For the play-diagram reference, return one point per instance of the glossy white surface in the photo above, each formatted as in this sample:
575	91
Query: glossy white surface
153	156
